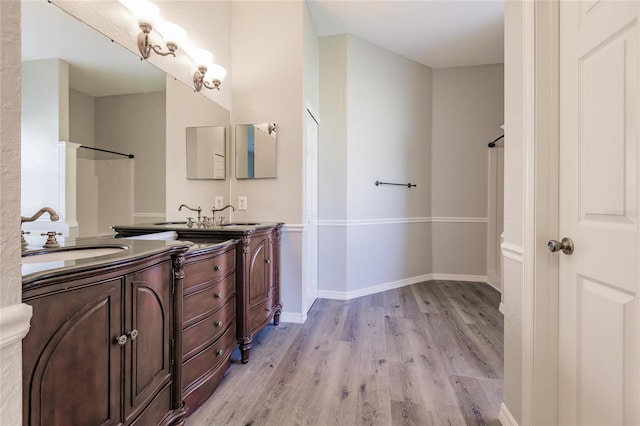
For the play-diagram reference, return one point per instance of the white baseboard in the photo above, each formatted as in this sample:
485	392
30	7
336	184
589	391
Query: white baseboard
294	317
15	321
505	416
460	277
379	288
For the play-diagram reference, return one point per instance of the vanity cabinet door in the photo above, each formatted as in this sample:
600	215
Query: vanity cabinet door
148	350
260	270
71	359
100	348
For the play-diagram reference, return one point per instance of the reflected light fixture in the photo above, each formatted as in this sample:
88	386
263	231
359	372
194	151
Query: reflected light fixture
146	14
207	69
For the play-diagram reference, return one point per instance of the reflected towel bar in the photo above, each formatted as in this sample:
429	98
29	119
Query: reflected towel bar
493	142
408	185
106	150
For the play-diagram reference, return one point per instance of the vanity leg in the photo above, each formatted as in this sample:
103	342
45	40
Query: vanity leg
276	315
245	348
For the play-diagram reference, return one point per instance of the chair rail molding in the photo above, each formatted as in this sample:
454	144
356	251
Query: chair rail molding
400	220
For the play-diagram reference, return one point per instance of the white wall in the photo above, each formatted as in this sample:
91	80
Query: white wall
185	108
14	317
267	39
45	122
467	114
87	197
513	267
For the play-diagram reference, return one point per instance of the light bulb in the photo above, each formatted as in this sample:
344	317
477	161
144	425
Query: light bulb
203	58
172	33
144	11
216	72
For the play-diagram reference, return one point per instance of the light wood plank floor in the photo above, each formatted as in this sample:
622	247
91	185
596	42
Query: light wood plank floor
427	354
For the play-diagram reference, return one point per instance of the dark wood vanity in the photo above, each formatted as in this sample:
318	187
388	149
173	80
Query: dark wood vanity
257	270
144	338
103	346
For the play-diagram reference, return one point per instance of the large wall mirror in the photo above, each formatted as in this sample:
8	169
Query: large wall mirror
256	150
81	87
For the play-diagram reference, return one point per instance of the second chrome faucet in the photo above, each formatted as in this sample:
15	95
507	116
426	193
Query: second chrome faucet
213	212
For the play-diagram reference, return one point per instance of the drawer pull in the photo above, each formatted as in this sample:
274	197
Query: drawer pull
217	295
133	334
268	261
219	352
121	340
218	323
217	268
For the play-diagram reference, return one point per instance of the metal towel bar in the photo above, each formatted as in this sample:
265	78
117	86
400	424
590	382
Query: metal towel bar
408	185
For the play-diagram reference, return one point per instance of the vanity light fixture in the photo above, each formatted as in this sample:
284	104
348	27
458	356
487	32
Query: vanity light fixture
146	13
206	68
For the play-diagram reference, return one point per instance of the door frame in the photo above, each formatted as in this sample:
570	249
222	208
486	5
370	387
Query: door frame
541	213
308	110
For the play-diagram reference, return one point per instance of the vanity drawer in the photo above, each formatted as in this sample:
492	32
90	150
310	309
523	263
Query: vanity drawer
260	314
202	303
198	271
198	335
210	358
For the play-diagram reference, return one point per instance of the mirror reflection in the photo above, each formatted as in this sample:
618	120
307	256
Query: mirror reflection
206	153
80	88
256	151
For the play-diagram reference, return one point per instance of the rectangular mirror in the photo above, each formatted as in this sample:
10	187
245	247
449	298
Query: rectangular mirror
206	152
256	151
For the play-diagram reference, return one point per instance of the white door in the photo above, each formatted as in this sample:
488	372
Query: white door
310	238
599	317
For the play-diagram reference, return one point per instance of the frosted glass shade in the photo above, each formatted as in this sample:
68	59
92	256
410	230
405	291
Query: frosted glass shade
203	58
144	11
172	33
216	72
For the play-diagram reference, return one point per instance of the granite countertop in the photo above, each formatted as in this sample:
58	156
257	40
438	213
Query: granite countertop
182	225
215	232
131	250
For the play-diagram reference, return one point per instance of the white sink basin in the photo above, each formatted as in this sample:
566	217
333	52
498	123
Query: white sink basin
69	253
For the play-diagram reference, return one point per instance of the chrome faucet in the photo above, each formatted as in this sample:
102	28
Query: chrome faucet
219	210
199	210
53	216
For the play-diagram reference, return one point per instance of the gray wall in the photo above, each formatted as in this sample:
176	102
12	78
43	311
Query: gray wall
135	124
375	108
387	118
467	114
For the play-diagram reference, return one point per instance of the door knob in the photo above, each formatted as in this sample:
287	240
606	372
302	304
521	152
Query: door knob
566	246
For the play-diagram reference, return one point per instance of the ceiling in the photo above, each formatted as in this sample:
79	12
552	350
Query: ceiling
436	33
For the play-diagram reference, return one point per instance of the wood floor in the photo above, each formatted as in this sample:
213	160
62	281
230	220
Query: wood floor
427	354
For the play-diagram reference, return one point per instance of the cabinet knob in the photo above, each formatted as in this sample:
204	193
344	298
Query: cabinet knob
218	323
217	268
268	261
121	340
219	352
133	334
217	295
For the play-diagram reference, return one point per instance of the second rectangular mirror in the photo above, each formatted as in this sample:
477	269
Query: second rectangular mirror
256	151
